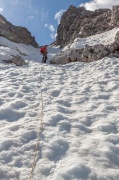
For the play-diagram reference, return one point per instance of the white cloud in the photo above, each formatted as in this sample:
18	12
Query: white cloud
1	10
58	15
53	31
30	18
46	25
98	4
25	8
43	14
53	36
51	28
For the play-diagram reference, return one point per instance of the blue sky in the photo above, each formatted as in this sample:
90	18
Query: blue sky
41	17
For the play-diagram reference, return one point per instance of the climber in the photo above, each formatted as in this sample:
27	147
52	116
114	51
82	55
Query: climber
43	51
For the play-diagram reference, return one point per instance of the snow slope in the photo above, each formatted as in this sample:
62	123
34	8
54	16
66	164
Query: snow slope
103	38
28	53
80	135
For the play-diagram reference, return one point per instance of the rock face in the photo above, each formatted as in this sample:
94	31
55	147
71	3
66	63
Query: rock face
16	33
17	60
115	16
79	22
88	53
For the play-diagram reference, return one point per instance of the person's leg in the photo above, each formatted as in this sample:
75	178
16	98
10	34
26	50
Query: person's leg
45	58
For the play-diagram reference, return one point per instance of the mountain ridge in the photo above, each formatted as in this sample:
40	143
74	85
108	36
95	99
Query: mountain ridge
79	22
16	34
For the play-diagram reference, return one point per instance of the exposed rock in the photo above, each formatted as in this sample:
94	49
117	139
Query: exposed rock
92	53
117	37
16	33
16	60
79	22
67	56
88	53
115	16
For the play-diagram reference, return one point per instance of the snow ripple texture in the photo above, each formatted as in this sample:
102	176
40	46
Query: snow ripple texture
80	140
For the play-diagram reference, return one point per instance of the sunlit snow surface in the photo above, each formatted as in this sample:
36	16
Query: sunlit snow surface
80	138
103	38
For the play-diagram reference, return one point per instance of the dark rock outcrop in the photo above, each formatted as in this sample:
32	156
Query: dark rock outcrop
79	22
88	53
17	60
16	33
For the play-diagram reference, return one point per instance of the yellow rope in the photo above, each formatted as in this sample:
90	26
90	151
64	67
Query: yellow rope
38	135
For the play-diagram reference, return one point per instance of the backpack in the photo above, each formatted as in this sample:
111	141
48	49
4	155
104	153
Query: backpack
42	50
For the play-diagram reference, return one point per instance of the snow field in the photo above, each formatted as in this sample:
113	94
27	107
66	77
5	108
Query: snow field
80	138
102	38
91	118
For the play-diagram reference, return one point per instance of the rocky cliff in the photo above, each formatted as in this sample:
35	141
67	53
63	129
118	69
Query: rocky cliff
16	33
89	53
79	22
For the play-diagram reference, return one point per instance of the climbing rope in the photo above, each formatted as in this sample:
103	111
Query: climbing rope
39	131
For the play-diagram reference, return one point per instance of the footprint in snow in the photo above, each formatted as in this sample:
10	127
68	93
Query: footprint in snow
55	119
14	128
11	94
55	93
64	103
56	150
64	126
